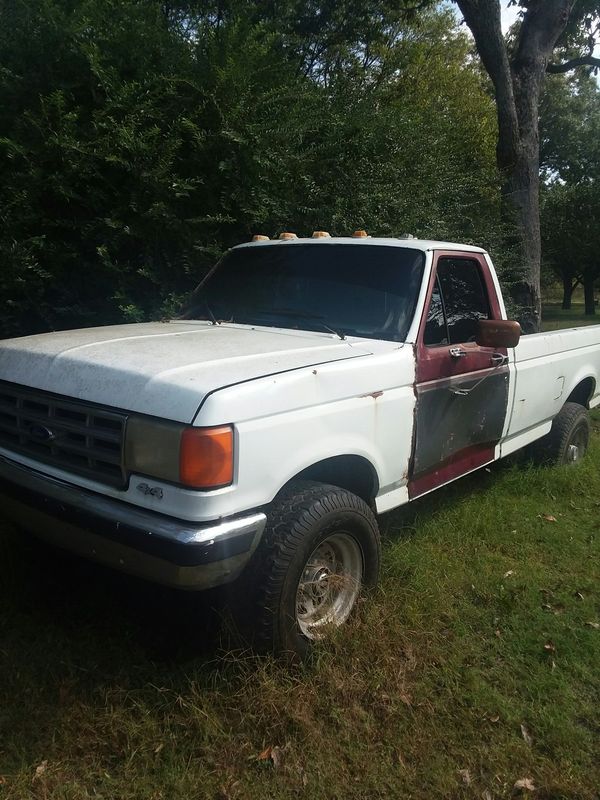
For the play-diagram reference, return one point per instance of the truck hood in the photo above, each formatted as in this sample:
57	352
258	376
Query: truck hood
163	369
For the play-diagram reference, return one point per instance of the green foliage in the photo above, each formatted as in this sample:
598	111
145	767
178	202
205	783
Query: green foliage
570	148
140	140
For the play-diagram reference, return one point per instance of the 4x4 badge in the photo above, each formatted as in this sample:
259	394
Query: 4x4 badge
153	491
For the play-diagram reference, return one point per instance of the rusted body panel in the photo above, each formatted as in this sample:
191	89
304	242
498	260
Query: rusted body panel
462	388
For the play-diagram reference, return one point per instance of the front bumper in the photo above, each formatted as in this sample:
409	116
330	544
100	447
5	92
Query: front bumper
159	548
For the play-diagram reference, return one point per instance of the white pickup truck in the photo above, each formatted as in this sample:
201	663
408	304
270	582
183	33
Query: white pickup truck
309	385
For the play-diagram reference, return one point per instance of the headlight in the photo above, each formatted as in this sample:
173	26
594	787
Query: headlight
201	458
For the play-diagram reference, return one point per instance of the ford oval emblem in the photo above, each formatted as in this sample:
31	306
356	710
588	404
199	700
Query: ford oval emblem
41	433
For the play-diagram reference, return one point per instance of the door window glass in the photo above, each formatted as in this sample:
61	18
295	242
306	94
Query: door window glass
464	297
436	330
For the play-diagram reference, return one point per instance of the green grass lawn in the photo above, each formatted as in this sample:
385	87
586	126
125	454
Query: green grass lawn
553	316
476	665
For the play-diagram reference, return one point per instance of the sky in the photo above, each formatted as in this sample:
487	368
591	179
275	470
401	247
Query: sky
509	15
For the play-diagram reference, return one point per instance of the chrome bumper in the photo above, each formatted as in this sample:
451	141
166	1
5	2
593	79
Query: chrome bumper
173	552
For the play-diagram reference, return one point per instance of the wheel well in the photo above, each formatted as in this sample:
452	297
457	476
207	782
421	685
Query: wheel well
353	473
582	392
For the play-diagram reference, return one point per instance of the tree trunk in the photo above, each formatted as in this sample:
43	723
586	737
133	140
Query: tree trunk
588	293
518	76
567	292
520	200
518	162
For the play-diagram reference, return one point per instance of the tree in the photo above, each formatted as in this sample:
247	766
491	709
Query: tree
140	140
517	70
570	161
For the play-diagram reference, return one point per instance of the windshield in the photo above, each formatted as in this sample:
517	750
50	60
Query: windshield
349	289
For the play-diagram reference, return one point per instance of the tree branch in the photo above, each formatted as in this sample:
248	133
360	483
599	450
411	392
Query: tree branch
573	63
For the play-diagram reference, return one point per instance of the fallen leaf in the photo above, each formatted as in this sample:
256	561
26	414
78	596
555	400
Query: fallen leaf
579	596
265	755
466	776
526	735
495	718
509	573
158	748
401	761
556	610
548	517
272	753
550	647
524	784
2	780
277	756
40	769
595	625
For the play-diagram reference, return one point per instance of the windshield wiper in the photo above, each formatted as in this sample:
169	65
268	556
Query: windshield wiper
290	312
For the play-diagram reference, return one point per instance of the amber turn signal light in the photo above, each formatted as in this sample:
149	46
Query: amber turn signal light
206	457
260	238
360	235
287	235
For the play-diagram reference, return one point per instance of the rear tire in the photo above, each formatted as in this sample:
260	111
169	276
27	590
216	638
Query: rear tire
568	440
320	548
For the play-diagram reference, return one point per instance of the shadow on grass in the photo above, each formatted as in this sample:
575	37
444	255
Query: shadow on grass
51	590
105	621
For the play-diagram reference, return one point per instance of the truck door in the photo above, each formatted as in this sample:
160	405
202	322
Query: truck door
461	388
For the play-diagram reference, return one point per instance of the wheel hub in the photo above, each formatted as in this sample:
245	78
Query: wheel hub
329	585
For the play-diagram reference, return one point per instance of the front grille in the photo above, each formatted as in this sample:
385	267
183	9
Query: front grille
67	434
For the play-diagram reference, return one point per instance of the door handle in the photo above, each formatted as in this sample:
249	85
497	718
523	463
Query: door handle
498	359
457	352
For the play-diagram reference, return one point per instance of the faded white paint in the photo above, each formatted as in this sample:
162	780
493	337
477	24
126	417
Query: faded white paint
294	397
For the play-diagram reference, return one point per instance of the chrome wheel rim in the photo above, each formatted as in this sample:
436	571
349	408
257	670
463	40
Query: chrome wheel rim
329	585
577	446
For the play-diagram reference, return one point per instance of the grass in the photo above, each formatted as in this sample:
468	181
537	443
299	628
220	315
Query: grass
554	317
475	665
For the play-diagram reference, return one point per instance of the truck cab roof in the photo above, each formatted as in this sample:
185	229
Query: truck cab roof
415	244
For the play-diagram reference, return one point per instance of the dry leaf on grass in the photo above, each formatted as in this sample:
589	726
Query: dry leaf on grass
578	595
595	625
265	755
526	735
465	776
550	647
40	769
524	784
273	754
509	573
548	517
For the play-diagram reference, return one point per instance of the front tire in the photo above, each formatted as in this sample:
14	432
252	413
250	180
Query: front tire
321	546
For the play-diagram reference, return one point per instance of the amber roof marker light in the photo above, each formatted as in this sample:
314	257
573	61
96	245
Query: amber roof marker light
321	235
258	237
286	236
360	235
